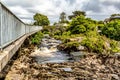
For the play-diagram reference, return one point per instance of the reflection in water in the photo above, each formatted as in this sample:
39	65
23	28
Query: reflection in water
48	52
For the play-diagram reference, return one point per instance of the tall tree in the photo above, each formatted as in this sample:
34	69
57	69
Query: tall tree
77	13
113	15
112	30
63	17
80	24
41	20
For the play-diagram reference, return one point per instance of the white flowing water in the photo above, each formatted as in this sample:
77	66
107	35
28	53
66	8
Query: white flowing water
48	52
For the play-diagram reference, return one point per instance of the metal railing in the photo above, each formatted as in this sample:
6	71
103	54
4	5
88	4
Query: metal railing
11	27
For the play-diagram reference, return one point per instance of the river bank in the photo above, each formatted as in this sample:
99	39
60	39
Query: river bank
89	68
92	67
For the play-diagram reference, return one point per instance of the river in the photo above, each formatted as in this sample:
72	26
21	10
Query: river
48	52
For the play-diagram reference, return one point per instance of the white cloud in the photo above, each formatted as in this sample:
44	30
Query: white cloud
110	0
18	10
96	9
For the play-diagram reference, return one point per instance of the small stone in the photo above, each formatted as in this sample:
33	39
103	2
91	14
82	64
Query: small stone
117	54
36	72
115	77
66	69
81	48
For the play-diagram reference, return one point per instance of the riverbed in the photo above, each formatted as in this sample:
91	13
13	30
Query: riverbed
46	62
47	52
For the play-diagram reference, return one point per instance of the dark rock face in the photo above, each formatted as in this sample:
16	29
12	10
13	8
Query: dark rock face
88	68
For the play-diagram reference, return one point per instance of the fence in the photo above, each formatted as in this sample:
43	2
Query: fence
11	27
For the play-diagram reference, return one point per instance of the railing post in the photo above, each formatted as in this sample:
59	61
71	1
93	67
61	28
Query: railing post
0	26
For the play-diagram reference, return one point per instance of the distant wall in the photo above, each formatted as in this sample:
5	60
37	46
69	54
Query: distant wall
11	27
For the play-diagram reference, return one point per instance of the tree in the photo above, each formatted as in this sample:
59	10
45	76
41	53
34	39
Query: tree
77	13
112	30
113	15
54	23
63	17
41	20
80	24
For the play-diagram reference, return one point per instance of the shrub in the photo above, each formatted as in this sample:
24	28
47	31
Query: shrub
100	26
80	24
68	33
92	34
36	38
71	46
57	32
78	29
112	30
93	44
114	46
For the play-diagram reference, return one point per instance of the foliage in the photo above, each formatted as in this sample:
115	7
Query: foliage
78	29
62	37
72	46
55	30
84	31
113	15
48	29
41	20
68	33
77	13
36	38
80	24
100	26
63	18
54	23
112	30
114	46
93	44
91	34
45	29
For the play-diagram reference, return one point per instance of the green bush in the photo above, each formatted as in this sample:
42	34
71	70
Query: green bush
36	38
57	32
68	33
112	30
80	24
100	26
71	46
48	29
92	34
114	46
93	44
78	29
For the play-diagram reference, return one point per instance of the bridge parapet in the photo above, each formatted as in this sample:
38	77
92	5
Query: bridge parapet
11	27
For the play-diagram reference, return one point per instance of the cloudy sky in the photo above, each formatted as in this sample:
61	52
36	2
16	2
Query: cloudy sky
96	9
